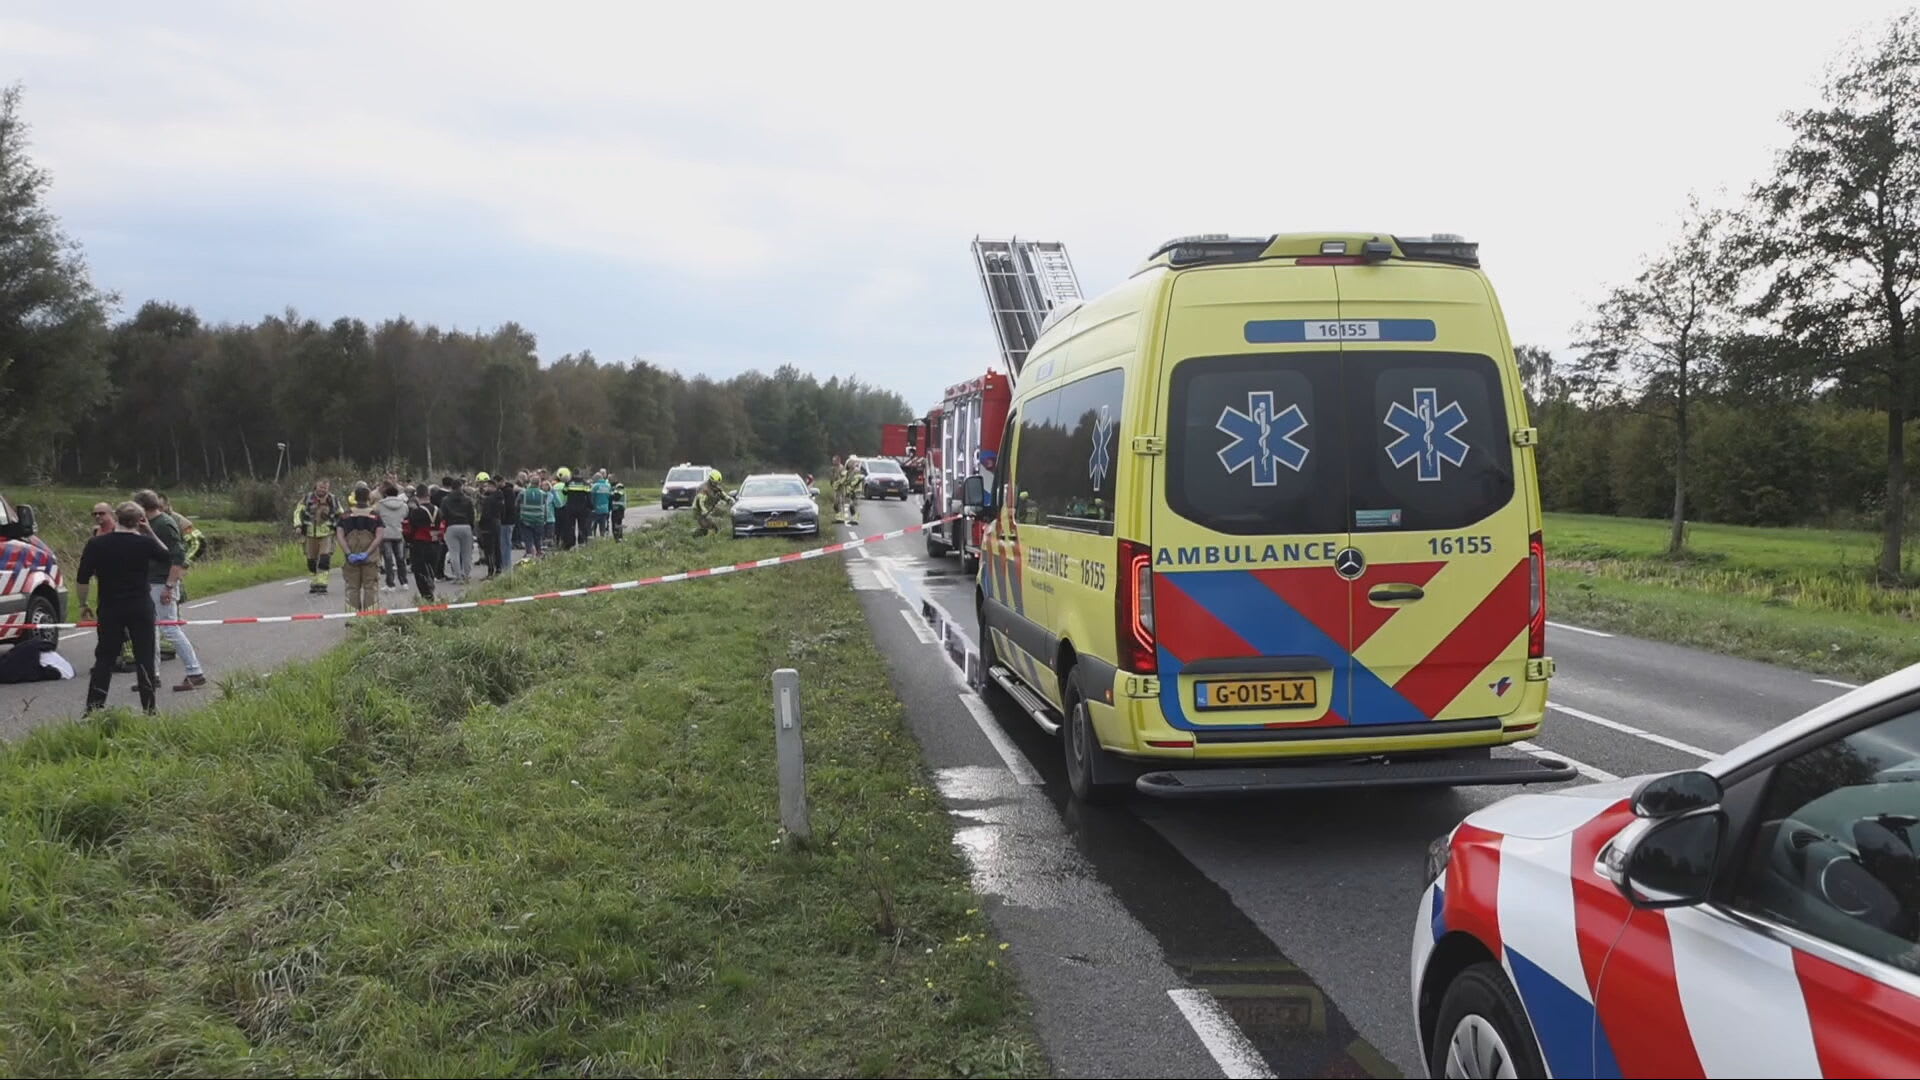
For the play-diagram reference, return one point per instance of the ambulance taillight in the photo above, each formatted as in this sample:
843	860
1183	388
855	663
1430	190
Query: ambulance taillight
1536	597
1133	609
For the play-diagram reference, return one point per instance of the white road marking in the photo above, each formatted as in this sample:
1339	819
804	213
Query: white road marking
1577	629
1591	772
919	628
1017	763
1838	683
201	604
1220	1035
1638	733
295	581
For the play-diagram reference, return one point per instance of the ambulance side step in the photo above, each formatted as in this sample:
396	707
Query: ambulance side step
1041	712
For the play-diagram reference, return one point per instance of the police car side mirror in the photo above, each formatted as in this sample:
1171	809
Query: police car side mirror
1667	863
975	492
22	526
1677	793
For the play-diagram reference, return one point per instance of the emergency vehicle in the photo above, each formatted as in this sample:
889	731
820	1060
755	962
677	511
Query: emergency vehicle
32	590
1757	917
1271	504
968	422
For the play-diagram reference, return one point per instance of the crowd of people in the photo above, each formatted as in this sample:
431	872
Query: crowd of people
393	535
404	533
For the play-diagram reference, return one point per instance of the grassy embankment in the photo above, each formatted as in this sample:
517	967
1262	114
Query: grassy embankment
239	553
532	839
1801	597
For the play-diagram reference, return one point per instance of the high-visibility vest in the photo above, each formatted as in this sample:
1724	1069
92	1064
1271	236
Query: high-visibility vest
315	514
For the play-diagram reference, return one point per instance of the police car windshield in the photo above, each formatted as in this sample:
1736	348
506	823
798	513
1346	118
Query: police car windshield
677	475
766	487
890	467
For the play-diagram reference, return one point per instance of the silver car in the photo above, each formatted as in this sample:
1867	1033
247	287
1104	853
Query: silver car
775	504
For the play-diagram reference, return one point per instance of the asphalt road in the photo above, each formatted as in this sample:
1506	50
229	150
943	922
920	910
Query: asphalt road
224	651
1293	913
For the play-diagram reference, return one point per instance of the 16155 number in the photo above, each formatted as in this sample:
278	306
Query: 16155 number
1461	545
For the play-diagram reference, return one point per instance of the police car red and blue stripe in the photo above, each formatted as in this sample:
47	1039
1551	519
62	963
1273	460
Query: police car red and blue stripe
32	591
1755	918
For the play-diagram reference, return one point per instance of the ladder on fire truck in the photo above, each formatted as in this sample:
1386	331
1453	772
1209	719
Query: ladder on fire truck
1024	281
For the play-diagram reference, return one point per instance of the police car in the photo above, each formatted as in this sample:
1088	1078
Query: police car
1757	917
32	592
682	483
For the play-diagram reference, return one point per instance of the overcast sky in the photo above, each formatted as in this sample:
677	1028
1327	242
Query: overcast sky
722	186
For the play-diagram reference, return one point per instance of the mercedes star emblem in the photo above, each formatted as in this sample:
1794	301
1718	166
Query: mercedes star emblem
1349	563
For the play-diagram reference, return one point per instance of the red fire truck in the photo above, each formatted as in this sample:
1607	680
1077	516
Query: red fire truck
969	420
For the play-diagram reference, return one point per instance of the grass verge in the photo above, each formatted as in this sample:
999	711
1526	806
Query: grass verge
1805	598
537	839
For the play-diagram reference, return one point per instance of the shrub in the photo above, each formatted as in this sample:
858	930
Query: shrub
255	500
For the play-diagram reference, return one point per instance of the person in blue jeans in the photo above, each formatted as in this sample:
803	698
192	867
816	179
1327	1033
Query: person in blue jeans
602	503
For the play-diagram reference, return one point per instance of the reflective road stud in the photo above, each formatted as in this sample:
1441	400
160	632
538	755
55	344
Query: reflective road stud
790	754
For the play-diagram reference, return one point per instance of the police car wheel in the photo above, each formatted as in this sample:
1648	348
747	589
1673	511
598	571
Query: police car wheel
1482	1029
40	610
1081	745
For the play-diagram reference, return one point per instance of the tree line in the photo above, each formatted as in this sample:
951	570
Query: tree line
1743	371
163	397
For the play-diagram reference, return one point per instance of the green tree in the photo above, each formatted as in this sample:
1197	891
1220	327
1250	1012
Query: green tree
52	319
1656	342
1837	229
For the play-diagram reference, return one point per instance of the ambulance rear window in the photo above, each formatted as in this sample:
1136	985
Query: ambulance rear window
1254	444
1430	445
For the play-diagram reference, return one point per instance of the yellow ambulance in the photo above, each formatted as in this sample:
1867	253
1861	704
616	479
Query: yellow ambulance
1266	518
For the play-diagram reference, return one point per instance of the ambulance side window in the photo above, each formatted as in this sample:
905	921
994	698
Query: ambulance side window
1070	454
1033	475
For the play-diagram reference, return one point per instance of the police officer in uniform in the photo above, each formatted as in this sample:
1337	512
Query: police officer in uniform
577	526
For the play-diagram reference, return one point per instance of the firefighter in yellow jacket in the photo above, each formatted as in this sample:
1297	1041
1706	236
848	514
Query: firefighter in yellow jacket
314	518
847	481
710	505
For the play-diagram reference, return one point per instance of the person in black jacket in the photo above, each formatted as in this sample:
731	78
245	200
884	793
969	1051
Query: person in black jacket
456	509
120	559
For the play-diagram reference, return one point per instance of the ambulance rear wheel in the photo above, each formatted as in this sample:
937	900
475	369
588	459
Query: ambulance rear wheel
1082	747
1482	1029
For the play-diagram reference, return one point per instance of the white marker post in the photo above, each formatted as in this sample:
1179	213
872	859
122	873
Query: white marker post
791	754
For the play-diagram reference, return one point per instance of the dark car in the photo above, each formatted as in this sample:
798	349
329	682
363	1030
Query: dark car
681	483
775	504
886	479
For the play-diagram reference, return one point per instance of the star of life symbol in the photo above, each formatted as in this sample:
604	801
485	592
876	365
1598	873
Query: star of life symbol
1262	441
1102	461
1427	434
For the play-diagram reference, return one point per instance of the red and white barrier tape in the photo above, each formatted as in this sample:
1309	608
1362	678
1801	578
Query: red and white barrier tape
618	586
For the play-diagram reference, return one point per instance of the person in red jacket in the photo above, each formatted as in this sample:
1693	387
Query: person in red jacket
424	534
